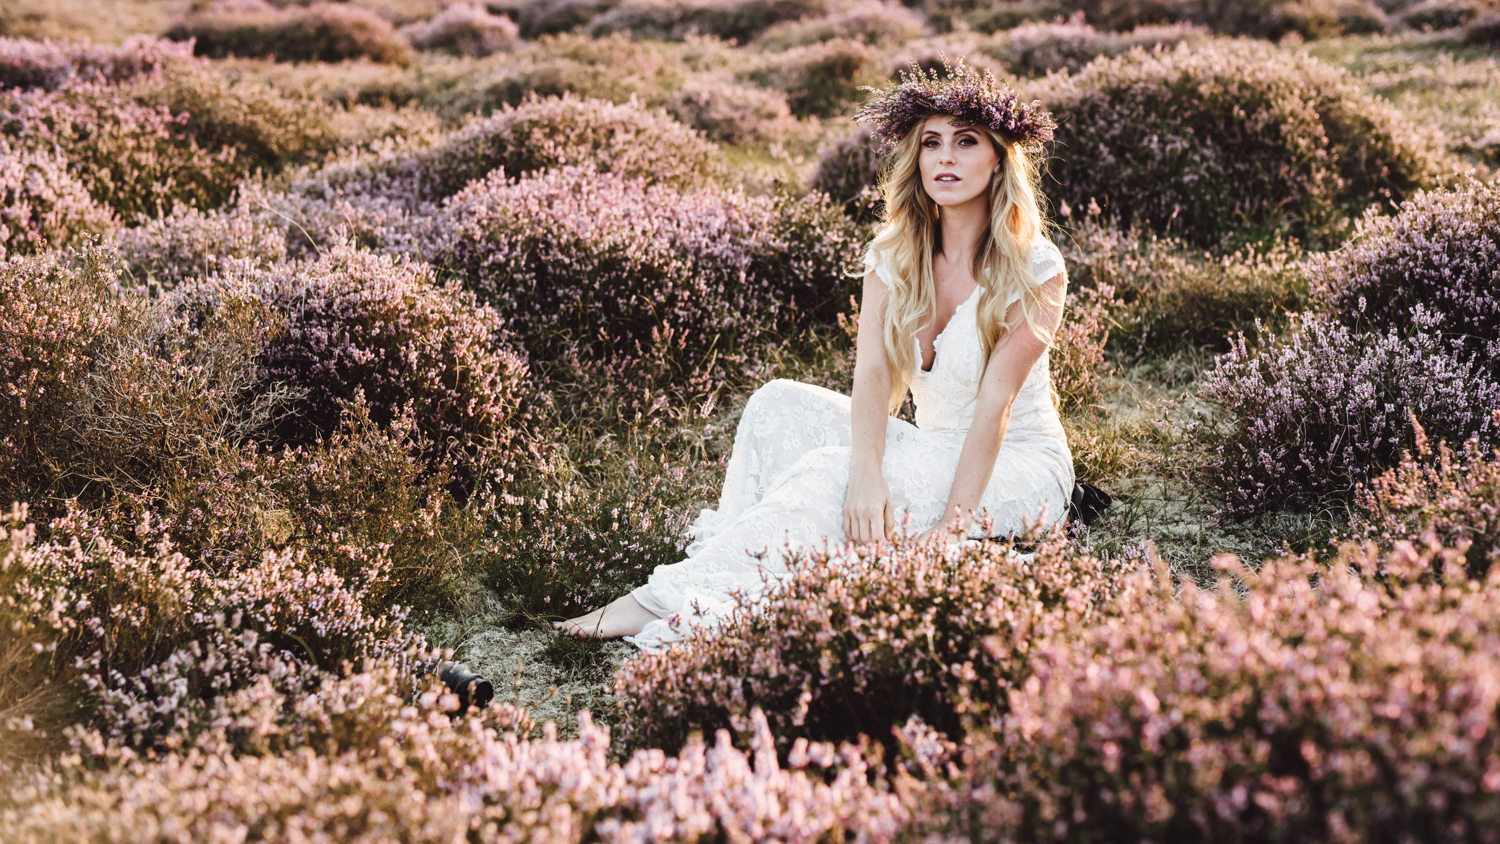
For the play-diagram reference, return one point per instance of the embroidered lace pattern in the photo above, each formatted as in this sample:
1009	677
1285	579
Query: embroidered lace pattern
789	468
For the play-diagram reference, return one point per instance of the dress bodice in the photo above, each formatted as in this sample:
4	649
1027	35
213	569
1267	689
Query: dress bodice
944	396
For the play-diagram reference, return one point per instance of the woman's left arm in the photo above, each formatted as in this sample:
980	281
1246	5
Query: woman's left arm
1009	366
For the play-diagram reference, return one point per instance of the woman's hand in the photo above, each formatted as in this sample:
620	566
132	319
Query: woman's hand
869	514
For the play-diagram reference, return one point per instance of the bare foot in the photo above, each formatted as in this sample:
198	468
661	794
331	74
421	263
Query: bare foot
622	617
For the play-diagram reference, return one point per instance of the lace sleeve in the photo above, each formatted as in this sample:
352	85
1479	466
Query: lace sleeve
1046	260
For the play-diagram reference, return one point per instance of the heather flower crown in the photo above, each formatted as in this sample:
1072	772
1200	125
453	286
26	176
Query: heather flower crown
973	98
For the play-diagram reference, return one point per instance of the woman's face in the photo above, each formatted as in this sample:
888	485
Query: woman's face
956	163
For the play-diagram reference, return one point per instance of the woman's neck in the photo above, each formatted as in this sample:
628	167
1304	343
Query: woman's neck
961	228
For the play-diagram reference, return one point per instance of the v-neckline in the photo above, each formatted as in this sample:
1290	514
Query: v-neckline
939	335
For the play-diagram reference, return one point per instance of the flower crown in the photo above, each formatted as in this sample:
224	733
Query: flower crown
974	99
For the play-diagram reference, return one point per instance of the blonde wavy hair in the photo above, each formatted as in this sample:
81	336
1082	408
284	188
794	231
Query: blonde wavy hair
909	236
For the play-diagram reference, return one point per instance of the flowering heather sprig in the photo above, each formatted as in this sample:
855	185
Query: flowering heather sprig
975	99
1440	253
856	640
1447	496
1307	416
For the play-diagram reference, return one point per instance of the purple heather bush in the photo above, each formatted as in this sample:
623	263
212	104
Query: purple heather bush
1302	418
856	640
1442	14
56	307
323	32
622	290
552	132
51	65
180	134
1440	254
467	29
1235	141
43	205
1035	49
738	20
1444	495
1323	705
381	327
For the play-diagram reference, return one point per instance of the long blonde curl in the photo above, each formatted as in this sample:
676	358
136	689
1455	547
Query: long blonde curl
1002	264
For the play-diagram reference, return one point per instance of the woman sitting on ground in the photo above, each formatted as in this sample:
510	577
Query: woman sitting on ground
962	296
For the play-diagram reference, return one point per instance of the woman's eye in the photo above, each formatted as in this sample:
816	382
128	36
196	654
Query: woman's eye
966	142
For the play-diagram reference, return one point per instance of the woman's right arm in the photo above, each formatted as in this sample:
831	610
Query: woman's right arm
868	512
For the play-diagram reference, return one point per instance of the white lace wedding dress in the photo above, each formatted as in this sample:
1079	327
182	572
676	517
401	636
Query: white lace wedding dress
789	468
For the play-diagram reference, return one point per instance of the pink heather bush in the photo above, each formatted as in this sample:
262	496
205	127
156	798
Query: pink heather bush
1077	358
155	639
820	79
1451	497
51	65
1439	254
1255	18
875	22
134	158
1235	141
193	244
552	132
624	290
183	136
322	32
1322	706
42	205
1034	49
388	201
738	20
358	323
378	768
1302	418
467	29
55	307
732	113
855	641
